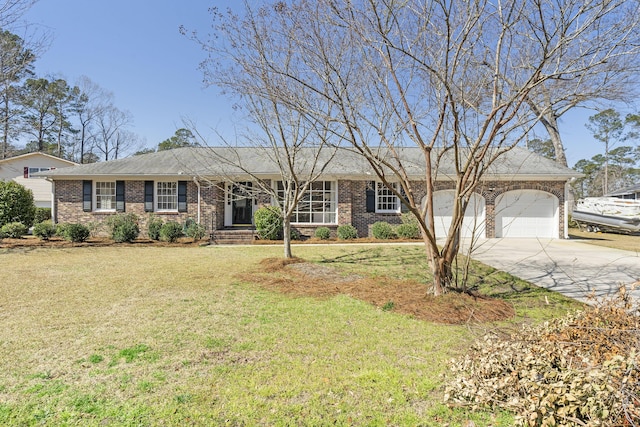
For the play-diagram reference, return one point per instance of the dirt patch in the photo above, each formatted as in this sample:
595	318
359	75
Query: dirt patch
299	278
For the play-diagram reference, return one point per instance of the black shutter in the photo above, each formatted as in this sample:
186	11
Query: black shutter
182	196
120	196
86	195
404	208
371	196
148	196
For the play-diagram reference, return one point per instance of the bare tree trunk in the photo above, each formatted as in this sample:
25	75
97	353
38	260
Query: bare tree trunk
286	236
550	123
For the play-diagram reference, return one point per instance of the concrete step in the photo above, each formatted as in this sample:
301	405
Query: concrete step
232	237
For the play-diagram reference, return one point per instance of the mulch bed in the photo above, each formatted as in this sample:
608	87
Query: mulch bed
30	242
299	278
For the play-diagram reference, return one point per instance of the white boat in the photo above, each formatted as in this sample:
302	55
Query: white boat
608	213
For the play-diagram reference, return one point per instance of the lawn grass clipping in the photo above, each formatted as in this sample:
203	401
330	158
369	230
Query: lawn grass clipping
170	336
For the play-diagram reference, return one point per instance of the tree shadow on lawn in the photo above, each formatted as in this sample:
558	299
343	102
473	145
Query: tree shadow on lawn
304	279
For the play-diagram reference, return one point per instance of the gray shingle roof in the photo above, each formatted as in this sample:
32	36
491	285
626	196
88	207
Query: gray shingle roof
210	162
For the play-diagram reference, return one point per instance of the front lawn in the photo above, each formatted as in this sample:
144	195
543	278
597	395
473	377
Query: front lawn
132	335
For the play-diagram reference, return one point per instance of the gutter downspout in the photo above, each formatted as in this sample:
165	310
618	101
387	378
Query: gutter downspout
53	200
195	180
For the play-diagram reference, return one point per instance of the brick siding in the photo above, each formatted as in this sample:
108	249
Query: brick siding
351	204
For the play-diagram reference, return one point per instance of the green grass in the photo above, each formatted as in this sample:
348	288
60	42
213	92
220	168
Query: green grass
151	336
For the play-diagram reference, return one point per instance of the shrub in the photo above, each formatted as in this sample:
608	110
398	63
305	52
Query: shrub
581	369
44	230
268	222
383	230
74	232
14	230
347	232
16	204
322	233
295	234
195	231
123	227
153	227
408	231
42	214
170	231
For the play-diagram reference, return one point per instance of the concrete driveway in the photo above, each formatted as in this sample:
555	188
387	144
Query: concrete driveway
572	267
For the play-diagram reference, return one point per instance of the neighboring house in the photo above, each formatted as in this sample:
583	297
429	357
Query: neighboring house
522	195
21	169
632	192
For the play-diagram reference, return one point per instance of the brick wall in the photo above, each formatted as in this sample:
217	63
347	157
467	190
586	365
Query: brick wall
68	206
351	204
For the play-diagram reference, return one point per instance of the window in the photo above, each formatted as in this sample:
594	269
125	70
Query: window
30	171
105	199
167	196
386	201
318	205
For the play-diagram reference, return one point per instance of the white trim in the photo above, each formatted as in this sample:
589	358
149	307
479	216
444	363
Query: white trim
380	185
156	198
94	196
333	201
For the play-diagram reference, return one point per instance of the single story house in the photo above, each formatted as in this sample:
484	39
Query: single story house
521	195
22	169
632	193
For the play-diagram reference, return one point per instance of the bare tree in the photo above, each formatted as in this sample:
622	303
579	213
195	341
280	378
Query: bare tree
297	145
12	10
89	103
601	63
113	138
452	77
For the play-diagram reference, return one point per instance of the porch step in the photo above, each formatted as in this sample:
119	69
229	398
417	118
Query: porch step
233	237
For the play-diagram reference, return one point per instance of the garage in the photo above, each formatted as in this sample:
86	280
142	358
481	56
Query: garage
527	213
474	218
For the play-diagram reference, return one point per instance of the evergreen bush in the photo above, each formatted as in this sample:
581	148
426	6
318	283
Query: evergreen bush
383	230
171	231
16	204
14	230
123	227
44	230
195	231
42	214
75	232
347	232
322	233
268	222
408	231
153	227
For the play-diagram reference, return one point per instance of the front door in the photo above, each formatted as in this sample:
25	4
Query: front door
241	203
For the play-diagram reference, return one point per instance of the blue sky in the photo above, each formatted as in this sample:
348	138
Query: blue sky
133	48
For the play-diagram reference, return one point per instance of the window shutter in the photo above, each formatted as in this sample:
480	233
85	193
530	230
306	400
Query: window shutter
120	196
371	196
403	207
25	172
182	196
86	195
148	196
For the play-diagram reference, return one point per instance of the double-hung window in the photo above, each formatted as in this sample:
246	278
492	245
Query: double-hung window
29	171
386	200
166	196
105	196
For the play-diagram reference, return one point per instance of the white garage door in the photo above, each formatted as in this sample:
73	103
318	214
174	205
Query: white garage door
527	213
474	217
